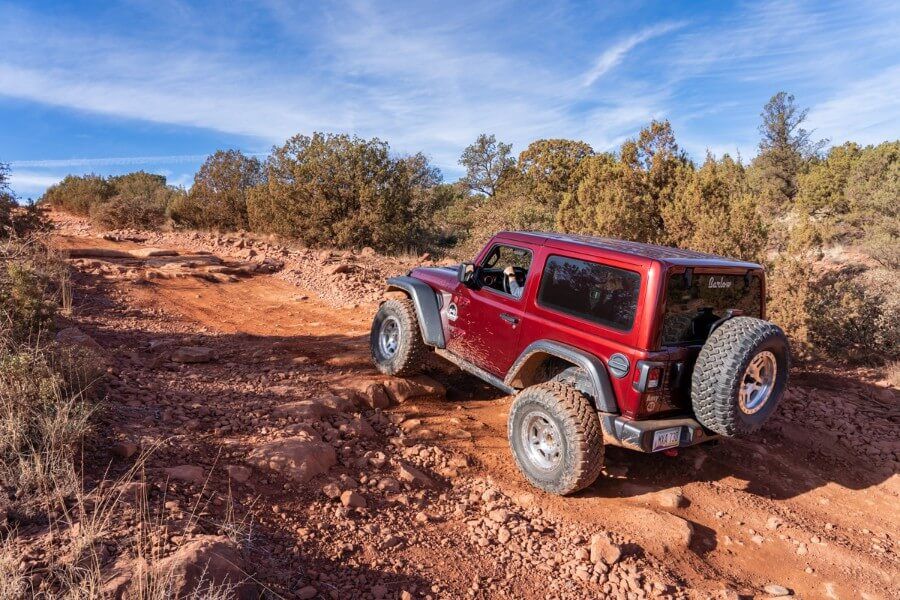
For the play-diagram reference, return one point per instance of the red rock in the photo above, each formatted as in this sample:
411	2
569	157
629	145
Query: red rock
413	475
401	390
186	473
298	458
204	563
193	354
604	550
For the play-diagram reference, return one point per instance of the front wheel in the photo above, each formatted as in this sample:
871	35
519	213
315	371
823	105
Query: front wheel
396	342
555	437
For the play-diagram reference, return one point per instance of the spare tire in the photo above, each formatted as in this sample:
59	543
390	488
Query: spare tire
740	375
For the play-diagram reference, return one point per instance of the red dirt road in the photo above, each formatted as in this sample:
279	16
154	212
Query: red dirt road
796	505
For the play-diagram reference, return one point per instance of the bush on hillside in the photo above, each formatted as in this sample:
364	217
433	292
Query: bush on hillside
344	191
624	196
715	211
140	202
218	198
76	194
30	278
873	196
847	314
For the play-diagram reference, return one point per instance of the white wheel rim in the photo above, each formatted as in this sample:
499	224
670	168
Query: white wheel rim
389	337
542	441
758	382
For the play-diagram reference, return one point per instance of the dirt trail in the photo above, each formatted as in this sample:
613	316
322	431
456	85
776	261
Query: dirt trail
790	506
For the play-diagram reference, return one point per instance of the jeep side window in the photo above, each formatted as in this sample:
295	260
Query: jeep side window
591	291
499	262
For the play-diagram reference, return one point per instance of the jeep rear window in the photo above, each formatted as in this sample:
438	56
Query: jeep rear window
694	303
598	293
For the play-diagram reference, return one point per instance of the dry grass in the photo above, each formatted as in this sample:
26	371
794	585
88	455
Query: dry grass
13	583
46	409
892	373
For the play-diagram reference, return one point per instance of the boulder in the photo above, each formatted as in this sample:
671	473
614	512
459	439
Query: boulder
238	473
414	476
401	390
124	449
75	338
352	499
193	354
366	392
204	565
301	410
672	499
298	458
186	473
358	428
604	550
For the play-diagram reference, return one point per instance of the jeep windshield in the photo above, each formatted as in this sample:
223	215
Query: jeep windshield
694	302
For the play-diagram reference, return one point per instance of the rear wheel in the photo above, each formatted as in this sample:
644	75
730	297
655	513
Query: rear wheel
740	376
555	437
396	342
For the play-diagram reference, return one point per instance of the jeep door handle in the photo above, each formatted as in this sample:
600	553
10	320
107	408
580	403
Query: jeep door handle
510	319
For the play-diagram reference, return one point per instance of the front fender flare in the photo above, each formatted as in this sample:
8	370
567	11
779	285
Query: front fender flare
522	373
427	310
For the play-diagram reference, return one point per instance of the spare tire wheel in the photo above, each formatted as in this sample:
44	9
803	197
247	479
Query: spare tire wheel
740	375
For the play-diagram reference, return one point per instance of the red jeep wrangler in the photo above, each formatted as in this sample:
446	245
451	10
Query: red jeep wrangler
601	340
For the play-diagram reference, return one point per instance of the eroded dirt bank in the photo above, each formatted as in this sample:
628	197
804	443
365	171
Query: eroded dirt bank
256	405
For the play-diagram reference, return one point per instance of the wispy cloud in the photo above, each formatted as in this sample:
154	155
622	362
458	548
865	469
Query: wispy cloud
121	161
24	183
614	55
865	111
432	78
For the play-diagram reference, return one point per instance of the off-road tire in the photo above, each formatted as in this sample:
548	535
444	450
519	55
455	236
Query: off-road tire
720	369
409	357
581	437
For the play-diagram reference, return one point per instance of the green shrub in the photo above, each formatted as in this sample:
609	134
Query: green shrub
29	278
346	192
136	200
140	202
847	314
218	198
624	196
78	193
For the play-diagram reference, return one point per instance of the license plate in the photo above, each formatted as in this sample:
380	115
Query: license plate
666	438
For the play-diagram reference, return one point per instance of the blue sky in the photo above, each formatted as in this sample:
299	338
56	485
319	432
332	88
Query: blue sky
110	87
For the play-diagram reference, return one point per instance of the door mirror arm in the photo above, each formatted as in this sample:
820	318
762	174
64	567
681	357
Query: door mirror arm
467	274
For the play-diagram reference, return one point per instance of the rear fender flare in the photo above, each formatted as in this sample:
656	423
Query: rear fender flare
524	371
428	311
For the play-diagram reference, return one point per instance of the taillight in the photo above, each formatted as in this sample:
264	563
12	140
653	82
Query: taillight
648	375
654	377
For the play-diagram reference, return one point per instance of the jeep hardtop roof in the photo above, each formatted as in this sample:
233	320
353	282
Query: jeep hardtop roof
663	254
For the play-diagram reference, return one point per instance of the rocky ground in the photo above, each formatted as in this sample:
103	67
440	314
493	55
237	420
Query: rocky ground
241	389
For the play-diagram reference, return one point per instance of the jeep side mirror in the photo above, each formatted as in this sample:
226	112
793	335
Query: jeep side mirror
466	274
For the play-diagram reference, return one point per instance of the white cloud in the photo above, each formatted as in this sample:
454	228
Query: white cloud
614	55
116	161
28	184
865	111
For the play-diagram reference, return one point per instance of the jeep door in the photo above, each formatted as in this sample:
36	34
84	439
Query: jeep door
485	322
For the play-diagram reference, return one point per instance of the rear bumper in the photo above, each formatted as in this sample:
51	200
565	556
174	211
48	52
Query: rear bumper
640	435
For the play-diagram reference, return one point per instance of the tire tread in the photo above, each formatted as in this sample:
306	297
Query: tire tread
582	431
719	369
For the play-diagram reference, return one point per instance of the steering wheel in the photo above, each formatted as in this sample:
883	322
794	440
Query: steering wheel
520	274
